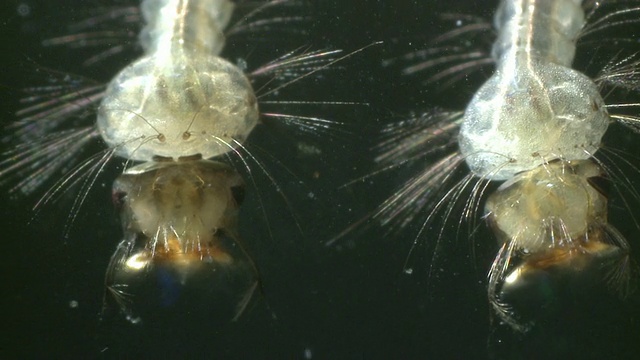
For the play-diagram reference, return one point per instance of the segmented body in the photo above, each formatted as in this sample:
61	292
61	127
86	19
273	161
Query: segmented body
170	111
171	108
536	123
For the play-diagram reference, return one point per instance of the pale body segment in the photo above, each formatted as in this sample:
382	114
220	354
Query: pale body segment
180	98
535	108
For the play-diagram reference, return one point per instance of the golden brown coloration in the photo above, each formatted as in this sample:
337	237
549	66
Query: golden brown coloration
180	225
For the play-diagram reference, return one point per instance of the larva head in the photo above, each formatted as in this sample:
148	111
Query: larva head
181	248
550	206
182	105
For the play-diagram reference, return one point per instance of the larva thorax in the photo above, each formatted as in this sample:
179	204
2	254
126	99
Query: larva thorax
534	108
180	98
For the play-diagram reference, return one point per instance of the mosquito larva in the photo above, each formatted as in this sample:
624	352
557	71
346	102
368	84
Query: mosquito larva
172	113
535	124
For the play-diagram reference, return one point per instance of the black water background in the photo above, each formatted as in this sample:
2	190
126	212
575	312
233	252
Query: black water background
346	302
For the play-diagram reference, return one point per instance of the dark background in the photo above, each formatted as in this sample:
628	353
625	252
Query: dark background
347	301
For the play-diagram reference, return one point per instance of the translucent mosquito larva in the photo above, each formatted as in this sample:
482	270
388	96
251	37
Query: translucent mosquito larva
536	123
168	112
179	211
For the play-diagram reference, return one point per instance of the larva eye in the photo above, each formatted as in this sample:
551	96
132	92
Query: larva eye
118	199
238	193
